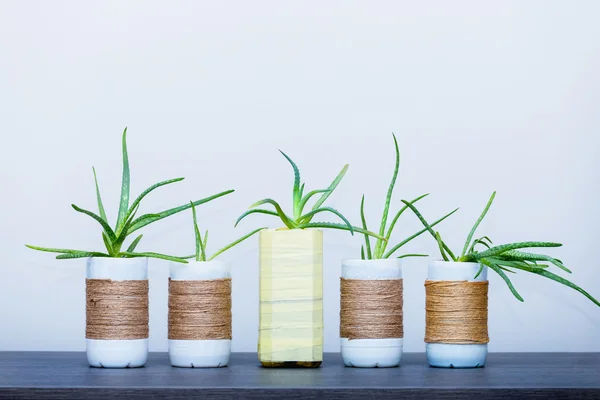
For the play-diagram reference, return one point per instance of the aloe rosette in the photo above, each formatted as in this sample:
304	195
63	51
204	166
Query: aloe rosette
127	223
299	219
503	258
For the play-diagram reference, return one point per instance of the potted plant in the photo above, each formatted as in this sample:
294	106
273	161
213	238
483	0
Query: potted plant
457	289
200	307
117	279
371	295
291	277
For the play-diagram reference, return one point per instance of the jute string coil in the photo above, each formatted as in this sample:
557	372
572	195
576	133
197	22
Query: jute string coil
116	310
200	310
371	309
456	312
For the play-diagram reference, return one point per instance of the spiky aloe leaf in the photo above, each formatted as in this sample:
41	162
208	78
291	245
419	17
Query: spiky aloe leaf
428	227
308	216
203	245
84	254
284	218
99	198
481	217
440	243
332	225
515	255
417	234
503	276
331	187
125	183
388	198
64	251
107	244
413	255
547	274
137	201
393	224
497	250
296	196
196	232
105	226
364	226
481	241
134	244
307	197
236	242
138	223
255	211
153	255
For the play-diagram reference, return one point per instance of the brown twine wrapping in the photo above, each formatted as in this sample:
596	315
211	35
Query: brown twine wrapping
456	312
116	310
200	310
371	309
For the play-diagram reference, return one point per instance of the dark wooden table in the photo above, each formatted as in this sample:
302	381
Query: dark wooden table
58	375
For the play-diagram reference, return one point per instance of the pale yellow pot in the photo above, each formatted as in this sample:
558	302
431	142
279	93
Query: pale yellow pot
291	298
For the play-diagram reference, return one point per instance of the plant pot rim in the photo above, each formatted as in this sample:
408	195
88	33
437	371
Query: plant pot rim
286	229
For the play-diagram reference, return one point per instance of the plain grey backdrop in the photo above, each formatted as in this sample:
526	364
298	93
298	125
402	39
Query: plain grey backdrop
483	96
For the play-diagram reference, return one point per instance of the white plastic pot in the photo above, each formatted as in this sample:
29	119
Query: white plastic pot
117	353
370	353
451	355
200	353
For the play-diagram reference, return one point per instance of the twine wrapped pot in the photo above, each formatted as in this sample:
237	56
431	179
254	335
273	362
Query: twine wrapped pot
371	328
456	315
291	298
200	314
117	312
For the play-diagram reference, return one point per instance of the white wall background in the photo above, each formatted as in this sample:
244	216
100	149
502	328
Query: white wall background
483	96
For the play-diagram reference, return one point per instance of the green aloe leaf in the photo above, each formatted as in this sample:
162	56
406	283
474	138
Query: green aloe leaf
134	244
388	198
419	233
284	218
137	201
124	204
481	217
308	196
503	276
137	224
54	250
203	245
296	197
547	274
83	254
107	244
516	255
440	243
364	226
308	216
331	187
105	226
395	219
362	252
429	227
99	198
153	255
255	211
497	250
236	242
332	225
196	232
413	255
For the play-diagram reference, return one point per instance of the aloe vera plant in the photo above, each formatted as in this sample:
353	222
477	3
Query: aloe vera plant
380	250
299	219
201	254
503	258
126	223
